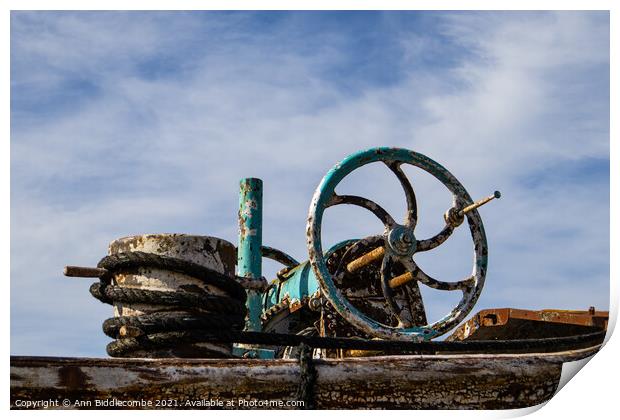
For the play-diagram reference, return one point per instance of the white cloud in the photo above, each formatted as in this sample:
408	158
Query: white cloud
162	154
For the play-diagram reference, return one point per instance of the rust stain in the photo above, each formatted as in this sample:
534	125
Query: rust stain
512	323
72	377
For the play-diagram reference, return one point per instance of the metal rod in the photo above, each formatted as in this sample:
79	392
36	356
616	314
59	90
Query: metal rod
375	255
74	271
479	203
249	258
400	280
372	256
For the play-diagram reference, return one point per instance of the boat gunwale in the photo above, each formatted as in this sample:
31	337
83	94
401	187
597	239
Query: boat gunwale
548	357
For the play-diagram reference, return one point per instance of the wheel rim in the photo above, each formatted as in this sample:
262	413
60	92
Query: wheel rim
322	200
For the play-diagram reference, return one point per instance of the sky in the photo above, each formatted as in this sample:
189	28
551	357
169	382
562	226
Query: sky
127	123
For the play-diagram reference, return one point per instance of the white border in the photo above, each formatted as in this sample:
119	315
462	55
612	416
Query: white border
591	395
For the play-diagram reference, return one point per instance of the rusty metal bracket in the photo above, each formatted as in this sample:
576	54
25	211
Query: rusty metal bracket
511	323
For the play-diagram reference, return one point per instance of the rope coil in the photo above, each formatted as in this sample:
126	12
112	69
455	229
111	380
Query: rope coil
186	311
126	261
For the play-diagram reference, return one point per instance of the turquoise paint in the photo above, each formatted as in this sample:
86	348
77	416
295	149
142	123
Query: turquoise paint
249	259
321	200
257	353
300	282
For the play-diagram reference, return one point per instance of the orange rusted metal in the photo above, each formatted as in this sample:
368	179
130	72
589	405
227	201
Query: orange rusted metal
511	323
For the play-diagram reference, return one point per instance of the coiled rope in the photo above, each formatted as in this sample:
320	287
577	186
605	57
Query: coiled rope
186	311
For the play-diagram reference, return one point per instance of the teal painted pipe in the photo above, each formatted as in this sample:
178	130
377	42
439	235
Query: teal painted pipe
300	282
249	262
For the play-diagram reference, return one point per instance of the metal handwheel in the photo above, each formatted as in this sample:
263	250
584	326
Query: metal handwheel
398	244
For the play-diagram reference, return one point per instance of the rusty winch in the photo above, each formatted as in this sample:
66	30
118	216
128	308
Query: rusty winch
198	296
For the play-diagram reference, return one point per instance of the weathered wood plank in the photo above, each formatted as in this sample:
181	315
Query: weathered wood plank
440	381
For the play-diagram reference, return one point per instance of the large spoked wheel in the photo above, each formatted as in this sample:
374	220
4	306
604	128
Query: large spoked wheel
398	244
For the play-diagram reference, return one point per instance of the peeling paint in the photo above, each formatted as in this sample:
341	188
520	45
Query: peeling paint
324	197
393	382
211	252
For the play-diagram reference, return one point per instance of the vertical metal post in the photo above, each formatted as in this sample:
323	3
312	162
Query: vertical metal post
249	257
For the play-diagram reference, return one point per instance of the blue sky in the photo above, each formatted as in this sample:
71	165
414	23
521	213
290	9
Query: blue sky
143	122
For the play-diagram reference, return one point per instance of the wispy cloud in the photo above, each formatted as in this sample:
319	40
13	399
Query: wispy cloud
128	123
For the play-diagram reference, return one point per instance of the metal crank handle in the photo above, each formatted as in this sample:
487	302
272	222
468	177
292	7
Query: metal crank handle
454	217
479	203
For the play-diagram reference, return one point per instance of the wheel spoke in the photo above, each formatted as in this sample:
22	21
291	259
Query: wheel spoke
355	200
429	281
279	256
416	304
412	205
386	275
435	241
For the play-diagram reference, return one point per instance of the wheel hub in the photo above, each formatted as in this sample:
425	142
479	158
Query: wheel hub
402	241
